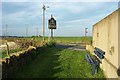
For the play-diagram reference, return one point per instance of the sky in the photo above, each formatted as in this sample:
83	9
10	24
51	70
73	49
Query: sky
72	16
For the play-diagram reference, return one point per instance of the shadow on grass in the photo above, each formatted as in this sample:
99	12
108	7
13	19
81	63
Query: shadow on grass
52	62
43	66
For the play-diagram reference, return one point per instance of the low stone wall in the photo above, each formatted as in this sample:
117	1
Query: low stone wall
16	62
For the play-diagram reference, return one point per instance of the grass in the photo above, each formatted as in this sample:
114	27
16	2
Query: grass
54	62
57	39
65	39
72	39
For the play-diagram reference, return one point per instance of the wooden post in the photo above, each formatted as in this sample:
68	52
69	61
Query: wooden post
7	50
33	42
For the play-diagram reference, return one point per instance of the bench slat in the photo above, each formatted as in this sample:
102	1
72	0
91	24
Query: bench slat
100	51
88	58
100	56
95	59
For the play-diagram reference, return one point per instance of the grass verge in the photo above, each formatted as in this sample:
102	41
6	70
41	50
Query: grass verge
58	63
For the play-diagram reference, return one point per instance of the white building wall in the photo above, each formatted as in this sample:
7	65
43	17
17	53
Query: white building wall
105	37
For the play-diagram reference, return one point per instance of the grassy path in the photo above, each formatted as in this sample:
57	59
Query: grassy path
60	63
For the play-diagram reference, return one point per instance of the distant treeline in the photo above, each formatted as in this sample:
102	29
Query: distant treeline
12	36
37	36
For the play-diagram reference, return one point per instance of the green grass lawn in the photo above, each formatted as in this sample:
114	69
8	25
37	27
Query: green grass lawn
54	62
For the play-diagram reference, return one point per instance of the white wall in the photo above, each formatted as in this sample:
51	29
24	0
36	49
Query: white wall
105	37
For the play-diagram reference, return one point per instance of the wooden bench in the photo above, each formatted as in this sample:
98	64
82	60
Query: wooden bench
96	59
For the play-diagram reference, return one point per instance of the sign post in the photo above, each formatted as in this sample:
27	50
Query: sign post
51	33
51	25
86	31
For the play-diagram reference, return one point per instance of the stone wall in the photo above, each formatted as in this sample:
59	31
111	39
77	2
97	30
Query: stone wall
17	61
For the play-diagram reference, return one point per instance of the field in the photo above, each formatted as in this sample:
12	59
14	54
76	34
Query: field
17	45
72	39
55	62
24	43
57	39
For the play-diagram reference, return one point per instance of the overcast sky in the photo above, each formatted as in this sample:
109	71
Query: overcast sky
72	16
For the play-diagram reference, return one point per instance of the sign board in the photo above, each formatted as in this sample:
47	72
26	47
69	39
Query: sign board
52	23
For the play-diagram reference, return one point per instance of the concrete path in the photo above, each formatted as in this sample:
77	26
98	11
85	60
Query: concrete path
71	46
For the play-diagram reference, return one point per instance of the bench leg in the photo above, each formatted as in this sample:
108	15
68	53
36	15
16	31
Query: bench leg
93	69
98	68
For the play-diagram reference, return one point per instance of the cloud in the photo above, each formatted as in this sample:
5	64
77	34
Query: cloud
22	16
71	18
90	19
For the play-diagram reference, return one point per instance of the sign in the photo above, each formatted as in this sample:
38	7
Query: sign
52	23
